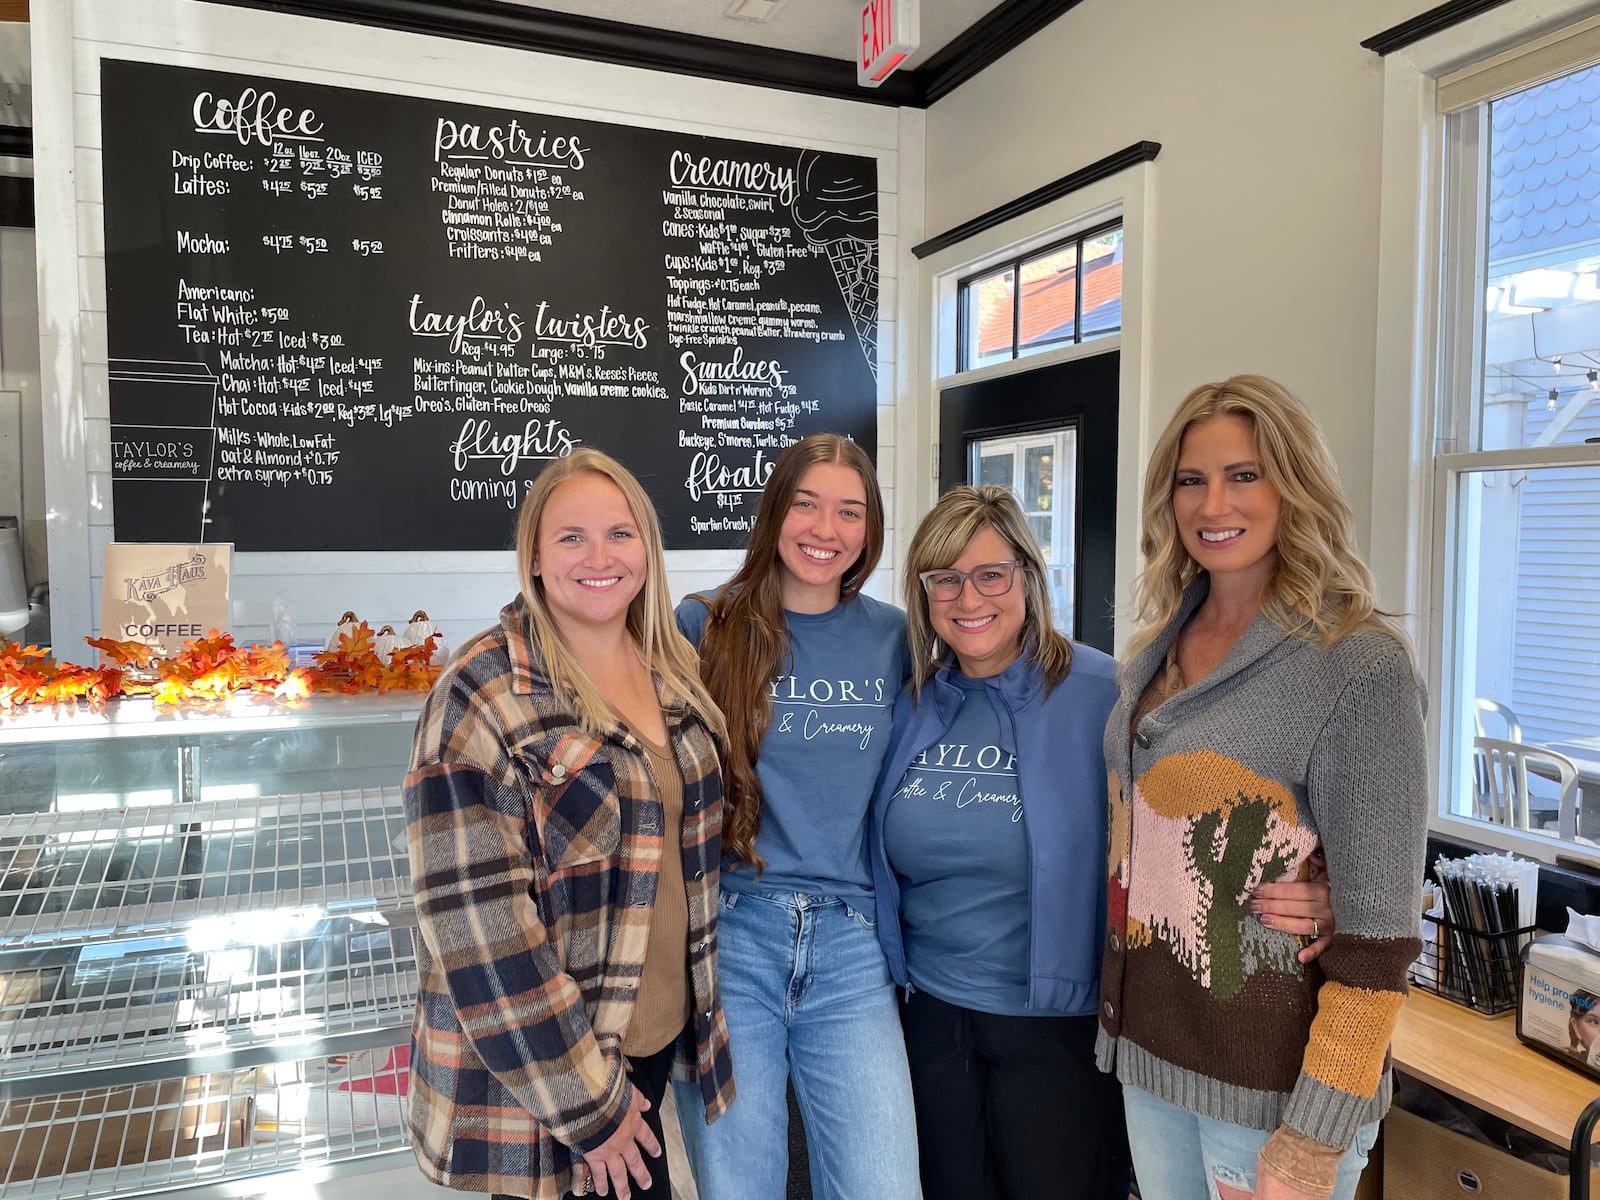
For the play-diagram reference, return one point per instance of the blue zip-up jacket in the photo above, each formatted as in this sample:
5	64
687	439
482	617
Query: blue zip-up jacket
1061	776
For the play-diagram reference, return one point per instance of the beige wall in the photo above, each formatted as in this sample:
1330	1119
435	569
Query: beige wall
1264	224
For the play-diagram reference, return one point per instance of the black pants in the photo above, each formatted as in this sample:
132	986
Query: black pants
649	1076
1012	1108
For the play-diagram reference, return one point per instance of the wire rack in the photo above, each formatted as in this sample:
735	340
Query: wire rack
224	985
95	875
153	1138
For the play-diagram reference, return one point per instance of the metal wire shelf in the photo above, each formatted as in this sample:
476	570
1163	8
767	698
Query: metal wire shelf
156	1138
100	874
213	991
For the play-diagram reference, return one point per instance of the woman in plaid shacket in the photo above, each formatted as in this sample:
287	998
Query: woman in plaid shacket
564	821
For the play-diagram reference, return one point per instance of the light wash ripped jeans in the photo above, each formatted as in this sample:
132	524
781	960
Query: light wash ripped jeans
1179	1155
807	993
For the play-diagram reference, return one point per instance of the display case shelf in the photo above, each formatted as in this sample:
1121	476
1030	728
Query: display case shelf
294	975
158	1138
140	717
99	874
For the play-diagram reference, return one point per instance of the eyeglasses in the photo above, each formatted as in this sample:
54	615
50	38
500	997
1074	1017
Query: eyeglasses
988	579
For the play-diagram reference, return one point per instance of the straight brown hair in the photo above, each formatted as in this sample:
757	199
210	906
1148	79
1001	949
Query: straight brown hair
746	640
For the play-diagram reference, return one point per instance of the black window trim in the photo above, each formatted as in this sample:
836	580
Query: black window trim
1015	265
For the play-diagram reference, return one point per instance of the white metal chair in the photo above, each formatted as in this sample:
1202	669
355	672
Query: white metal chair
1504	799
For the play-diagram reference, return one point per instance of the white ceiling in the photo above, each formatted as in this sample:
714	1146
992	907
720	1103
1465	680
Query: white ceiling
830	28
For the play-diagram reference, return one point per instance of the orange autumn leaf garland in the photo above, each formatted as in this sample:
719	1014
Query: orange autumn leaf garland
353	665
210	669
28	675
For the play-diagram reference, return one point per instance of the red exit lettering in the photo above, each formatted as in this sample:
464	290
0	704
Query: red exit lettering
877	27
889	32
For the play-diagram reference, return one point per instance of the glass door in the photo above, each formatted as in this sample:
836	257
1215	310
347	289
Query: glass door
1040	469
1049	436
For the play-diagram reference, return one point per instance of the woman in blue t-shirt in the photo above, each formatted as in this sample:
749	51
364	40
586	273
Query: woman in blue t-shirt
806	670
988	848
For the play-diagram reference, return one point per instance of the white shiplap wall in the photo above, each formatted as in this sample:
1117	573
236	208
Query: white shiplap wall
461	590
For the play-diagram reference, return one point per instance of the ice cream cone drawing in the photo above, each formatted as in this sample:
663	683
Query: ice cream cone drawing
836	205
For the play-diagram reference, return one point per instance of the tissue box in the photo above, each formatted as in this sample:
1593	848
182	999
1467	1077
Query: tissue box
1558	1007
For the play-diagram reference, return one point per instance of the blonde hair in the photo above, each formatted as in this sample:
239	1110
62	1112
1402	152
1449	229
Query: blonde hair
650	622
1320	588
747	636
940	539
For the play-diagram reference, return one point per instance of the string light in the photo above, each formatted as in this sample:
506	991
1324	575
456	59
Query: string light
1551	402
1594	381
1556	363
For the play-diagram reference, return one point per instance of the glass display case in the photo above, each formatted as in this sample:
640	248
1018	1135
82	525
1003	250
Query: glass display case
207	945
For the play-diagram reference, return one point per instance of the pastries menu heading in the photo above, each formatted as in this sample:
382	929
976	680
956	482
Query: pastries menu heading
340	320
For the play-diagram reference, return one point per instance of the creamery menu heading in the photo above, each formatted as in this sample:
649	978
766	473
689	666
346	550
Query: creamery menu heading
341	320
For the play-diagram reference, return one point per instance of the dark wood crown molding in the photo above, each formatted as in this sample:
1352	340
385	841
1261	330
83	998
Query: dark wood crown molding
518	27
541	30
1427	24
995	34
1102	169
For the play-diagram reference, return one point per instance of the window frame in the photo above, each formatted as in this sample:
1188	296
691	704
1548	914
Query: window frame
1427	417
1015	265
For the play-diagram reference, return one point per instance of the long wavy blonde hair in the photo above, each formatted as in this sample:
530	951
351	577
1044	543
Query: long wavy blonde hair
1320	589
650	623
940	539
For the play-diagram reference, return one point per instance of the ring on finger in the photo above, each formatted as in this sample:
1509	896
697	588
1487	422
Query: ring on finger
1316	928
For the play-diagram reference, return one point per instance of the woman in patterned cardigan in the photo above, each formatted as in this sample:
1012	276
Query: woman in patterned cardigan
1265	706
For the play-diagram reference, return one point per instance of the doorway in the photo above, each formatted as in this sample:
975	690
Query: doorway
1049	436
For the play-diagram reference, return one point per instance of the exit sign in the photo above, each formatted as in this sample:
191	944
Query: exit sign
889	32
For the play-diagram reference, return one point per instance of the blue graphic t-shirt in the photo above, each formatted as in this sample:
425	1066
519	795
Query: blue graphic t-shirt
831	709
955	835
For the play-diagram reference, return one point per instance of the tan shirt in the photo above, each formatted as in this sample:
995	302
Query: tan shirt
661	1010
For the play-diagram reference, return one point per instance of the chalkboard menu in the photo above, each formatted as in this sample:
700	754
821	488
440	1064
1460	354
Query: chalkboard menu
341	320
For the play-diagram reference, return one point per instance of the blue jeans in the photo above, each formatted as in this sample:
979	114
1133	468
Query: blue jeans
1179	1155
806	993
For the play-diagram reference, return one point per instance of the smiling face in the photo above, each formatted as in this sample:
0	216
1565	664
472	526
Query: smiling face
822	536
1225	508
984	632
588	554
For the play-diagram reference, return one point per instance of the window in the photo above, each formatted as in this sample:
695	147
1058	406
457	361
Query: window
1069	292
1516	462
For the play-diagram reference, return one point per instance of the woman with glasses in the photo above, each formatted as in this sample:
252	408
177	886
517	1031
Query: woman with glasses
806	669
989	826
988	836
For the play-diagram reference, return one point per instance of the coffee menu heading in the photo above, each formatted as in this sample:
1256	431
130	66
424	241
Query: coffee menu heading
341	320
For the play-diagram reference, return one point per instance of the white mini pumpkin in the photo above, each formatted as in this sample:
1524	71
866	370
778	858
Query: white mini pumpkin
347	624
417	632
386	643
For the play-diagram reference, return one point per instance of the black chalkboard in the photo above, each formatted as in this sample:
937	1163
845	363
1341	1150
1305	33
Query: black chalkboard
342	320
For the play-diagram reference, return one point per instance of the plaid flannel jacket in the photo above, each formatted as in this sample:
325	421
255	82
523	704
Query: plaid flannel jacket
535	848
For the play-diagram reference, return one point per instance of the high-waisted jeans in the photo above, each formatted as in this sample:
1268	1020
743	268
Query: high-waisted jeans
807	994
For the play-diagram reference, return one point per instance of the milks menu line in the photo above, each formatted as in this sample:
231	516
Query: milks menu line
340	320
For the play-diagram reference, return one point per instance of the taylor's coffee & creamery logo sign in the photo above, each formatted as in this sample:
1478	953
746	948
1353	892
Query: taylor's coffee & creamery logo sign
164	594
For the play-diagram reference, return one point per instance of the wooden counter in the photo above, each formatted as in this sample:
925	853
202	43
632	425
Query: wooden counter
1479	1059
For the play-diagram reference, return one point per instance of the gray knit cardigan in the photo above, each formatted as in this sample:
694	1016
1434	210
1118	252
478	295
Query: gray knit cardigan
1231	783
